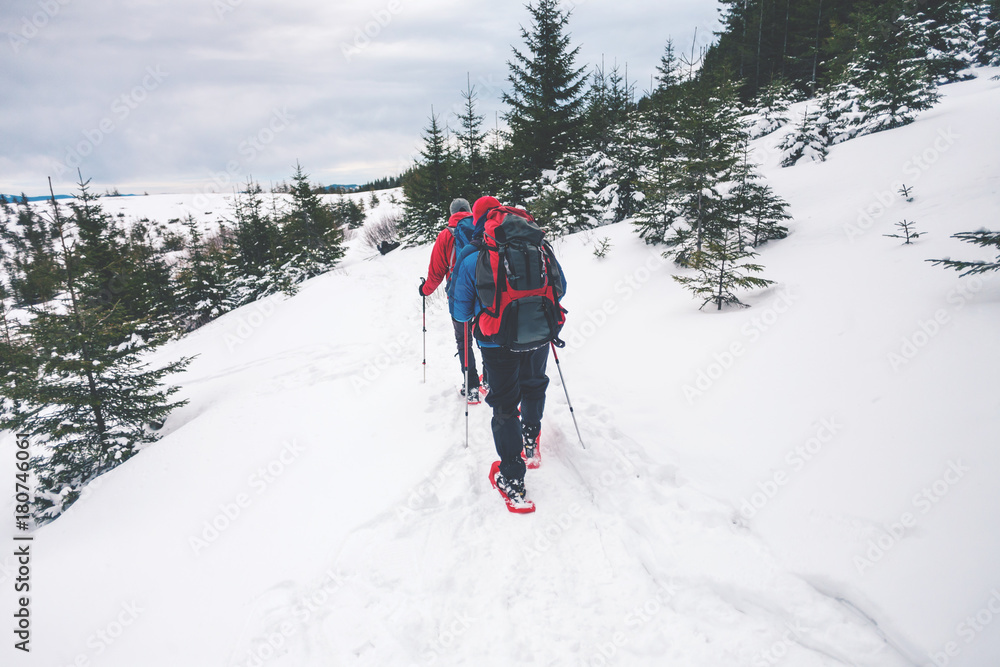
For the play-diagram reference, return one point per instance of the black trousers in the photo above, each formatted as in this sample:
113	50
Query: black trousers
515	379
460	328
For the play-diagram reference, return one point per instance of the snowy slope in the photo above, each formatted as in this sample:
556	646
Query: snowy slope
314	504
207	206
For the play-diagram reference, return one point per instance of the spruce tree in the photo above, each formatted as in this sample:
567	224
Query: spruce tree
947	37
348	213
984	18
149	283
311	234
664	98
201	280
258	266
686	201
766	214
546	96
427	188
840	115
30	265
753	208
565	201
119	269
99	255
888	67
612	144
702	195
17	360
628	156
772	105
984	239
722	269
473	178
659	147
256	234
87	398
622	197
5	331
600	115
606	106
503	177
808	140
907	227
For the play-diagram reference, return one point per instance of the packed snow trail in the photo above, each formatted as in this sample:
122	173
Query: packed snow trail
621	564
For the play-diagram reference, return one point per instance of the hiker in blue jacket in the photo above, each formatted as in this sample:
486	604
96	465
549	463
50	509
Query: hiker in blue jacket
444	258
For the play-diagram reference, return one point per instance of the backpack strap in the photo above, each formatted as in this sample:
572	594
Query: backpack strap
454	249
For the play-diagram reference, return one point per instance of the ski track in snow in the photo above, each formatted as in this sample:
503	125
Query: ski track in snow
661	573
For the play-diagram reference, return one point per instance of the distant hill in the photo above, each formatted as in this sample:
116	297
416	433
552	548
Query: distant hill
337	189
42	198
45	197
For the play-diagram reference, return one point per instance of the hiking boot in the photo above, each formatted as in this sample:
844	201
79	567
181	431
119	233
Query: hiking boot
530	443
474	397
512	491
512	488
531	446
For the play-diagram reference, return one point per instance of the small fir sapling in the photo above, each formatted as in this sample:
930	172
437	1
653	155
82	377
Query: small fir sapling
601	247
908	234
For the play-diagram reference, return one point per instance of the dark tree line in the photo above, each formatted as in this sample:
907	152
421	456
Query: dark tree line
810	43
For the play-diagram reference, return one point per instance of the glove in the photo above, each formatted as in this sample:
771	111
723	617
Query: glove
421	287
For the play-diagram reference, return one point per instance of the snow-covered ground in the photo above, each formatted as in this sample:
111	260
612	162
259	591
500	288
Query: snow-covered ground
811	481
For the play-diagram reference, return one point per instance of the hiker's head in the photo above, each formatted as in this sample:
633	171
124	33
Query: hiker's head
460	205
482	205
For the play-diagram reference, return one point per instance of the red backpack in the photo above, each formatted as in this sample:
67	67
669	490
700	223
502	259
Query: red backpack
519	284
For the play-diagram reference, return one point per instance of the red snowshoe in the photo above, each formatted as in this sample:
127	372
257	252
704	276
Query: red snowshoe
512	491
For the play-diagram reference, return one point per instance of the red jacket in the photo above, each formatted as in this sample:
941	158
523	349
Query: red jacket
443	254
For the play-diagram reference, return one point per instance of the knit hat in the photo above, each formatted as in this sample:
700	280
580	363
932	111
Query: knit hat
460	205
482	205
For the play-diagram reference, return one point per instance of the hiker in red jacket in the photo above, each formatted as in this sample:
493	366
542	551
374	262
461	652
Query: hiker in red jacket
446	250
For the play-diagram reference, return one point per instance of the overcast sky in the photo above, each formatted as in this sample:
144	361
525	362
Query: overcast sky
185	95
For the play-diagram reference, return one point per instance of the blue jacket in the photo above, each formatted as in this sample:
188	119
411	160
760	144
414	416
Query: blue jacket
464	302
463	238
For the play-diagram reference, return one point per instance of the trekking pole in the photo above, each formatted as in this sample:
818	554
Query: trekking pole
563	380
465	371
424	300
